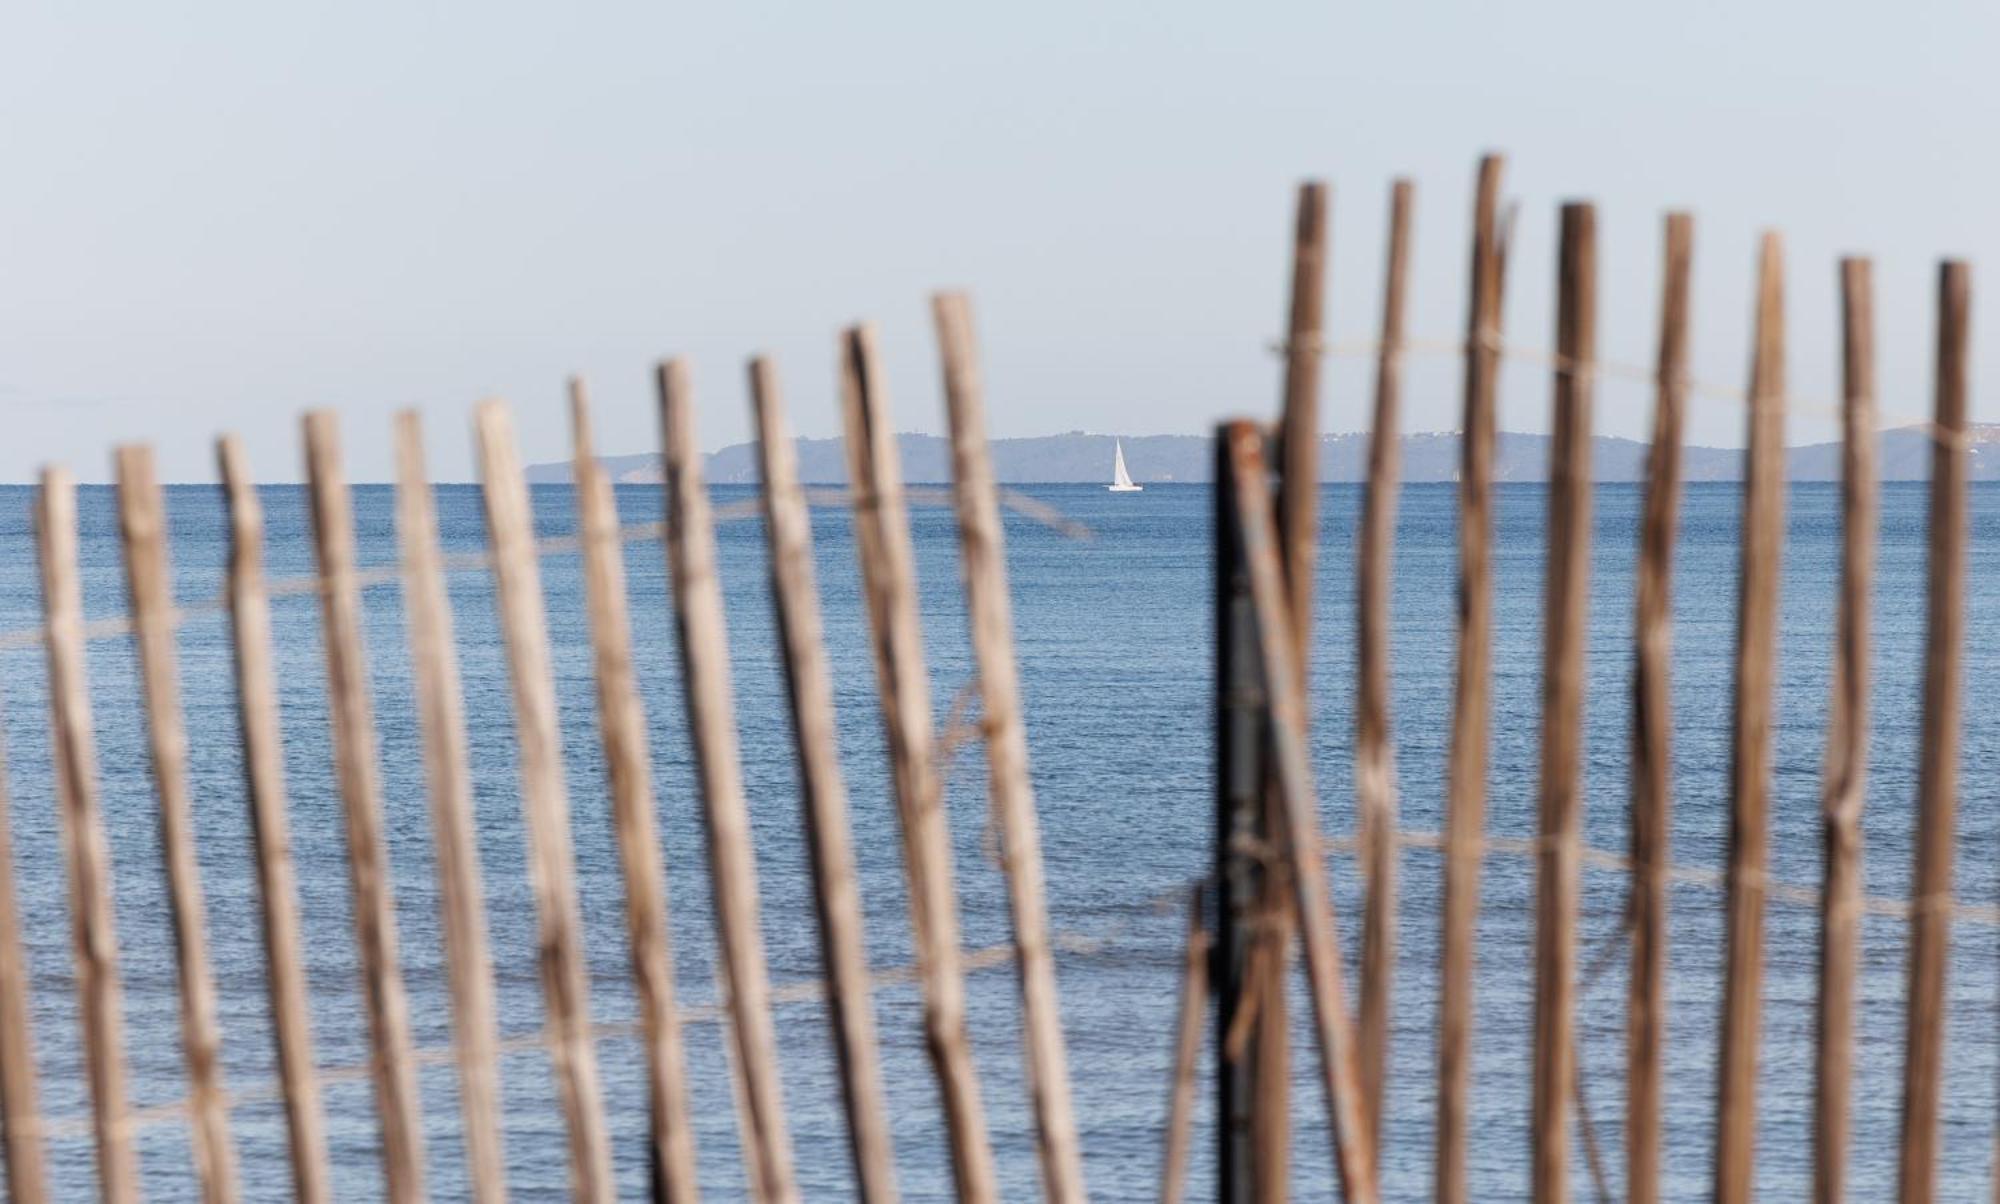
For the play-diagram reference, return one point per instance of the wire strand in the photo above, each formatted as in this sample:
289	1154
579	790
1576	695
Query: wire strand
111	627
812	990
1106	940
1431	348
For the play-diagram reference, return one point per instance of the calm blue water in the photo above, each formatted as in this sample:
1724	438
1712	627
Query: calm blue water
1114	645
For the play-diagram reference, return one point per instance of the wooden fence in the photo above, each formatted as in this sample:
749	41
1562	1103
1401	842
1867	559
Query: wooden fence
1270	871
570	1037
1270	886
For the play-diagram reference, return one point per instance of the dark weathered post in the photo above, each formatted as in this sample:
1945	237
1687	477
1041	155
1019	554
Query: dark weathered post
1297	831
1239	718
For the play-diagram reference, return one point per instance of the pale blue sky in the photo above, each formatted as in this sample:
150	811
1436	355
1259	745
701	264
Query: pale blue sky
213	216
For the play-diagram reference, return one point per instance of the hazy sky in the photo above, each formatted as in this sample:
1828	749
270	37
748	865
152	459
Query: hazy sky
213	216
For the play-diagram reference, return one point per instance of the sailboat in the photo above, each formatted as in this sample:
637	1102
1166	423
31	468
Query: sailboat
1121	481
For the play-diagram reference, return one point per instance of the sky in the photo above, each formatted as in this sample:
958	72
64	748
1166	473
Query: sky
214	217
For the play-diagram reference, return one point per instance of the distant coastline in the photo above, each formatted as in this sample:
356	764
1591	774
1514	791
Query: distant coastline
1082	458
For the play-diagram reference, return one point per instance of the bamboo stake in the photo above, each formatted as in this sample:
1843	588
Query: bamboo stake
1187	1052
1652	727
1566	618
1749	836
1937	780
1298	536
1298	422
356	769
1346	1113
20	1119
517	587
829	841
448	776
704	647
981	543
94	927
628	759
142	522
1844	786
1465	788
882	538
264	779
1374	748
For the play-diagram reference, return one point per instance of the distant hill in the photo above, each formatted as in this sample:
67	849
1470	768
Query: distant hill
1078	457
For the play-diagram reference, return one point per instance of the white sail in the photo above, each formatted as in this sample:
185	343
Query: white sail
1121	481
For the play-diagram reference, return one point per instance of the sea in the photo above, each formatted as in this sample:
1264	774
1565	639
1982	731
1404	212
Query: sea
1114	641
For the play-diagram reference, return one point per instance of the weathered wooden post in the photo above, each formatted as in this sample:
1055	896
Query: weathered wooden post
86	852
1652	729
1566	619
249	606
1750	774
1187	1049
440	700
1844	781
1465	785
1937	764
